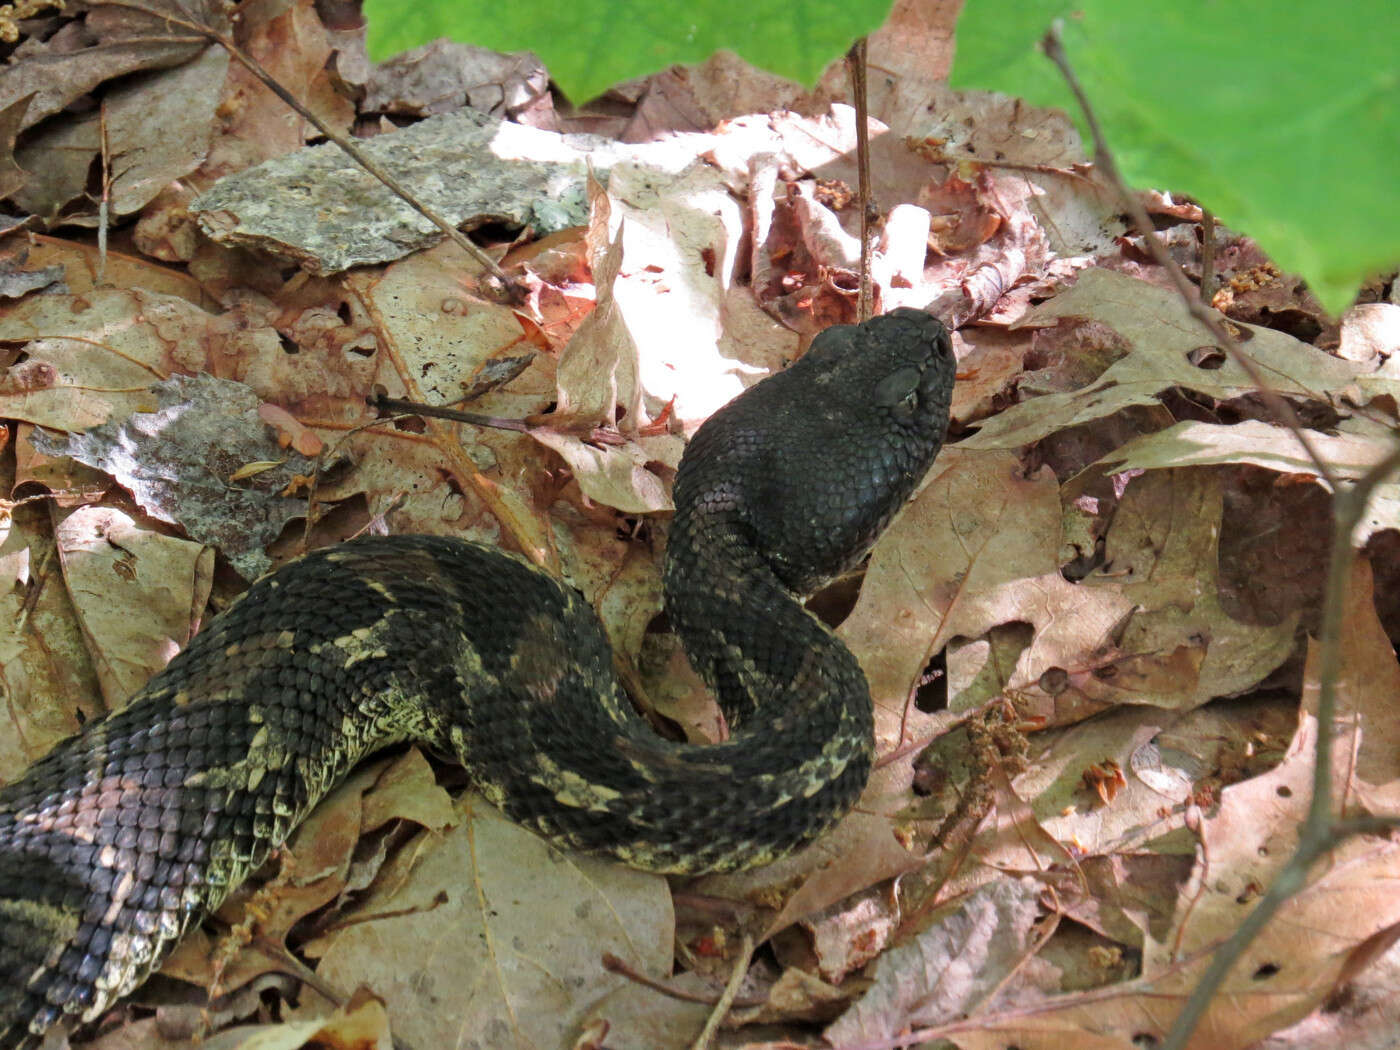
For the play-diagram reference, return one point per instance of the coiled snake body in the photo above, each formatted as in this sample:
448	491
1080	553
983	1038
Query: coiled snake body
114	844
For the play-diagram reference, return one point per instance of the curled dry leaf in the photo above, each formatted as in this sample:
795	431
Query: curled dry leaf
1252	441
290	431
112	40
947	969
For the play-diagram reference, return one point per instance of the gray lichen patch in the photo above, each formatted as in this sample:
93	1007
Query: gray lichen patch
186	463
318	207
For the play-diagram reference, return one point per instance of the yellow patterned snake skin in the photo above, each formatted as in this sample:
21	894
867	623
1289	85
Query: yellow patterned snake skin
128	834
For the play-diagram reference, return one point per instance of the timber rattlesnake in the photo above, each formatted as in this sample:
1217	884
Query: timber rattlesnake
122	838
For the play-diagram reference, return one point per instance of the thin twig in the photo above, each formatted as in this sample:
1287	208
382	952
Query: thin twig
917	744
509	288
726	999
418	408
856	65
104	206
613	964
1207	255
596	435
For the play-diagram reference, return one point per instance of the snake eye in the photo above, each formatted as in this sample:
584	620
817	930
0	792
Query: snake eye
899	391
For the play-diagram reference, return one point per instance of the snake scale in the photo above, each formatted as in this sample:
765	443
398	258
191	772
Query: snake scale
123	837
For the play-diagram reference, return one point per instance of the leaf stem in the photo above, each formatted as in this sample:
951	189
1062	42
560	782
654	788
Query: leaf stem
856	65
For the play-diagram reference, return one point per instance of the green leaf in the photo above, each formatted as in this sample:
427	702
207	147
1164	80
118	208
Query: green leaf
589	45
1281	116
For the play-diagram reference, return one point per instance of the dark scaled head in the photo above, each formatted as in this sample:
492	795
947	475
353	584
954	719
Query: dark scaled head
813	462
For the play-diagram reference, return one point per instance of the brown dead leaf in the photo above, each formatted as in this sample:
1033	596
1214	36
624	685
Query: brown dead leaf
948	968
314	870
12	175
619	476
59	158
514	953
990	362
413	331
1161	335
1299	957
701	97
1368	692
80	264
597	371
360	1024
1162	549
443	76
138	595
110	41
1363	1015
951	566
797	995
16	281
1306	947
46	672
1293	965
1105	779
162	124
913	52
94	357
962	219
599	387
1128	894
1170	761
847	935
1010	838
1192	443
1261	444
680	253
950	545
1130	633
290	42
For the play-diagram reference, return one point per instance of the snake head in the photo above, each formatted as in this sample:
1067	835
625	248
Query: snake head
896	369
812	463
